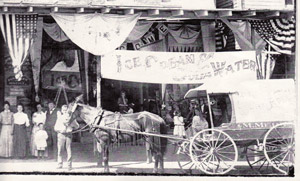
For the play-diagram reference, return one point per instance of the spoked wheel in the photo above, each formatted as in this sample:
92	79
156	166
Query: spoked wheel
279	147
257	160
185	163
213	151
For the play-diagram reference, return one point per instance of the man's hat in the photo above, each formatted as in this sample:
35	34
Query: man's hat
194	101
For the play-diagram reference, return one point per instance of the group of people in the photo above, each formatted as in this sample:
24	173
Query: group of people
195	121
51	133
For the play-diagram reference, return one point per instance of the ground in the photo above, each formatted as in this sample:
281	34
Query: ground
125	159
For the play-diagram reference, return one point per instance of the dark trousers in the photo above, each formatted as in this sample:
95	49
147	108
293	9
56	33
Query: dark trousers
52	142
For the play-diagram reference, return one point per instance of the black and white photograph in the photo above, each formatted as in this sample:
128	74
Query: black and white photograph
149	88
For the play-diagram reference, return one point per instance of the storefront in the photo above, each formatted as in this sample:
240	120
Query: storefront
156	26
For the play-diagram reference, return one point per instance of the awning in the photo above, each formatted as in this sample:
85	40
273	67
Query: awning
223	87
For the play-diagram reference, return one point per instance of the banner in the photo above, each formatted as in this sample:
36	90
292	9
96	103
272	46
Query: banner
35	57
178	68
96	33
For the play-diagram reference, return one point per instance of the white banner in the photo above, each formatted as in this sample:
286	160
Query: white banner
178	68
95	33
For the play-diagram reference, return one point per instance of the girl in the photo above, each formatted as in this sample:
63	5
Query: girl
37	118
178	124
40	140
21	121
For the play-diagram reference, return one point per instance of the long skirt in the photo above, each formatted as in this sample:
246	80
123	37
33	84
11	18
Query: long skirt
6	141
19	140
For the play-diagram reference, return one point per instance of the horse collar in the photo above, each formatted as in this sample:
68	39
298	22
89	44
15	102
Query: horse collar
97	122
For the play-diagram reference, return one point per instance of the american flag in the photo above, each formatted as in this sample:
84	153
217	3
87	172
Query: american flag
18	31
279	33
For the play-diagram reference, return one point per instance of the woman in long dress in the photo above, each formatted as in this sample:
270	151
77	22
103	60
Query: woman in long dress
37	118
21	121
6	137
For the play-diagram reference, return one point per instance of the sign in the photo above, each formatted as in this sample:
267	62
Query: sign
265	101
15	91
249	125
53	80
178	68
11	80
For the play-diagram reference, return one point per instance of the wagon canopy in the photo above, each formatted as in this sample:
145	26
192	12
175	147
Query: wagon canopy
255	101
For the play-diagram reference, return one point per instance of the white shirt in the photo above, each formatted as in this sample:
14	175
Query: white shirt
178	121
21	118
39	117
62	123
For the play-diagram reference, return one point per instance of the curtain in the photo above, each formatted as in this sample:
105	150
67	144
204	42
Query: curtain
55	32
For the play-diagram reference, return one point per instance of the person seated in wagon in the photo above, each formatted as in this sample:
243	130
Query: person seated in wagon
199	123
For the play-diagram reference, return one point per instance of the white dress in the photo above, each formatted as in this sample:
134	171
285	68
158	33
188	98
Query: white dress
37	118
40	139
179	126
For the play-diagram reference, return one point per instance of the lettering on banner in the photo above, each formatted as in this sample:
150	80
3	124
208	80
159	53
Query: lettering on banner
183	67
163	29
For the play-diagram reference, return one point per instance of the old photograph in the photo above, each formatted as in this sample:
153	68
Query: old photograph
154	88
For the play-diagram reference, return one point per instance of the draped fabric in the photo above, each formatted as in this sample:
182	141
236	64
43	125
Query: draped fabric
184	34
139	30
242	32
225	40
55	32
18	32
265	63
279	33
96	33
35	57
184	38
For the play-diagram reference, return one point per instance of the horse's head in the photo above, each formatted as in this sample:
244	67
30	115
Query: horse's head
87	113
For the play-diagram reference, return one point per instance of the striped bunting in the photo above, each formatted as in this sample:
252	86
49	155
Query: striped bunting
224	37
279	33
18	32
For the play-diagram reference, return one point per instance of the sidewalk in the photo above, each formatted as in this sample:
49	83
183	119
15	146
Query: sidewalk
122	160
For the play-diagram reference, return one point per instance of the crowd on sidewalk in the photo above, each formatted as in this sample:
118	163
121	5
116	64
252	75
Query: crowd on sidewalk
51	132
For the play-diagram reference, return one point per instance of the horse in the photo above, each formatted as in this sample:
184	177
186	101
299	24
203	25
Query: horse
136	122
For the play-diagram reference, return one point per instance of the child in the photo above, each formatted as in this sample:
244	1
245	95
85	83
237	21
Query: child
40	139
178	124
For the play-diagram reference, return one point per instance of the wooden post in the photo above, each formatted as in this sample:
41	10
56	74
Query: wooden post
98	81
210	112
141	96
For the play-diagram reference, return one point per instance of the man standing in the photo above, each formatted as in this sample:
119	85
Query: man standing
51	117
64	128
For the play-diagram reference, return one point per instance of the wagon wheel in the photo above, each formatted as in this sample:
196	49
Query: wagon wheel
279	147
213	151
183	159
257	160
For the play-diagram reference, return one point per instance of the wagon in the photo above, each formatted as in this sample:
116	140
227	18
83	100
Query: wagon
261	130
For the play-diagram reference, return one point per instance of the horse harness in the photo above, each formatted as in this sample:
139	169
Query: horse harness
96	122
